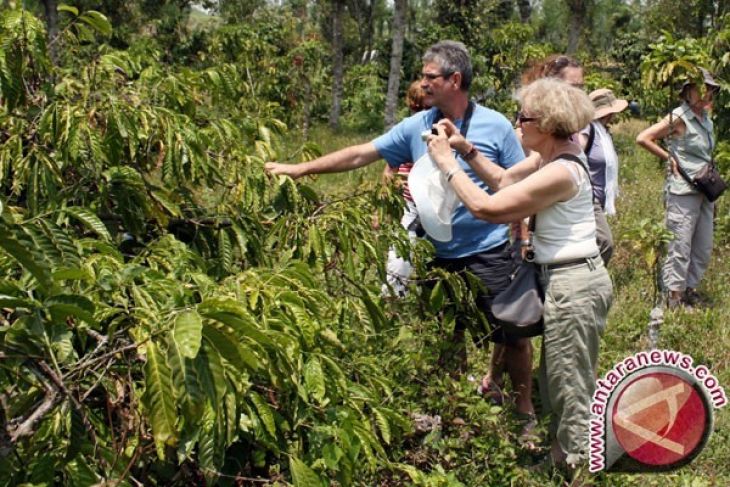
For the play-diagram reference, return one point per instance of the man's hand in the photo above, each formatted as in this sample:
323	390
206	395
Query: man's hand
277	169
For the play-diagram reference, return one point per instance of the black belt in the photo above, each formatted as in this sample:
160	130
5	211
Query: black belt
570	263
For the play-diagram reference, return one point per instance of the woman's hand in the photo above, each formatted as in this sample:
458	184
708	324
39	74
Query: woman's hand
456	140
440	150
672	168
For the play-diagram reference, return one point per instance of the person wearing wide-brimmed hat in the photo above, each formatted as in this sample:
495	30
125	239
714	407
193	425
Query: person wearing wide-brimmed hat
599	148
689	131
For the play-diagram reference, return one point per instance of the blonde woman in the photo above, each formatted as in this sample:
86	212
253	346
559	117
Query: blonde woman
578	290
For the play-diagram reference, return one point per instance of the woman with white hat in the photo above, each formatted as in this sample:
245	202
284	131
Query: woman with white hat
689	131
599	148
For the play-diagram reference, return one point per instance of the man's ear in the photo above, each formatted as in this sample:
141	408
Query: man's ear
456	78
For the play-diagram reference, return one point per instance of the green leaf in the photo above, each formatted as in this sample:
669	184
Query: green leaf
63	305
159	399
79	473
332	455
302	475
227	343
97	21
436	301
89	219
26	258
383	425
68	8
188	333
314	379
265	413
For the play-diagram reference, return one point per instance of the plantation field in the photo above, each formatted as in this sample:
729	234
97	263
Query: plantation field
475	446
172	315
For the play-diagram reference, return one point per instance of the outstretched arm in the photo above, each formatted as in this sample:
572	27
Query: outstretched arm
342	160
487	170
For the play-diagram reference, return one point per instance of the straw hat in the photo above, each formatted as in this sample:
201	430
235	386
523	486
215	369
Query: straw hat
434	197
605	102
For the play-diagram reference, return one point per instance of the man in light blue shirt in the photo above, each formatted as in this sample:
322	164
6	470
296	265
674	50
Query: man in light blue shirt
477	246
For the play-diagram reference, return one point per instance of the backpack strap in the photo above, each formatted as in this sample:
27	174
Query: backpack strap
591	138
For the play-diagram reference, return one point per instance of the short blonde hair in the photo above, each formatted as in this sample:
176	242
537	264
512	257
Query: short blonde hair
561	109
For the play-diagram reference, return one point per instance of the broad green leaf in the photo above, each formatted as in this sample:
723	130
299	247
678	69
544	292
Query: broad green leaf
332	455
383	425
436	301
302	475
89	219
71	274
264	411
314	379
188	333
97	21
159	399
80	474
68	8
64	305
26	258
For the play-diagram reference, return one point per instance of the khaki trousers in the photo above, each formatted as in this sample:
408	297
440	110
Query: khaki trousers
577	299
690	218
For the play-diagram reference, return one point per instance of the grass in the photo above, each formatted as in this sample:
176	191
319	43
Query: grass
476	443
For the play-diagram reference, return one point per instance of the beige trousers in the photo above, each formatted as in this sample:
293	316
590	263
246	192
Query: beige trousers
690	218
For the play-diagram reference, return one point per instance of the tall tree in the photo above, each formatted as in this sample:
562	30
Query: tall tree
525	9
396	60
338	9
50	9
363	12
578	15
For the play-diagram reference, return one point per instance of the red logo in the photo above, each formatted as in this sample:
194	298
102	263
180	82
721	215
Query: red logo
660	419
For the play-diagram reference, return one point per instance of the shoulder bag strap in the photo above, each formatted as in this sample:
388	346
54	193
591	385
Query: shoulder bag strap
674	156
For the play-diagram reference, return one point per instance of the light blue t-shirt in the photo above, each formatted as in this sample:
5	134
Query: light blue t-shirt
493	136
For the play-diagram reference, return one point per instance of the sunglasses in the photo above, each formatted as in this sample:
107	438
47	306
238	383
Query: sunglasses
522	118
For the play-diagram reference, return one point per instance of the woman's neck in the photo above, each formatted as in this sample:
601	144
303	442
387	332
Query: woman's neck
553	147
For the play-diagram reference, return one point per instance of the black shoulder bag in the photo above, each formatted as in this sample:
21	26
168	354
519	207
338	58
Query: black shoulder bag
708	180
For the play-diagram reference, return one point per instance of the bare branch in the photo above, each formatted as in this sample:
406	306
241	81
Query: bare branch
27	427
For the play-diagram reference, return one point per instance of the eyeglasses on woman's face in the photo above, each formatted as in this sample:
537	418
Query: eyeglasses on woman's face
522	118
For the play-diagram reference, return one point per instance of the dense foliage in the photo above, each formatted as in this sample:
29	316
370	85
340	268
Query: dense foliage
170	315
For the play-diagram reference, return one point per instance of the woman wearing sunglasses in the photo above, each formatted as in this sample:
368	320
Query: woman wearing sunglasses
578	291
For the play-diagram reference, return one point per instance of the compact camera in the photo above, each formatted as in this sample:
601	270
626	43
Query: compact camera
426	133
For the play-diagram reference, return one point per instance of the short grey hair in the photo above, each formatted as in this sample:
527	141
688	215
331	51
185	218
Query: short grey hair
561	109
451	56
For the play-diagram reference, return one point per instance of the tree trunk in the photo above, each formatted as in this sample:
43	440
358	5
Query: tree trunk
396	61
363	11
338	7
51	13
525	10
578	14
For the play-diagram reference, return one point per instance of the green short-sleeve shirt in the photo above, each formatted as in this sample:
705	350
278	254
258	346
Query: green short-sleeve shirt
693	149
